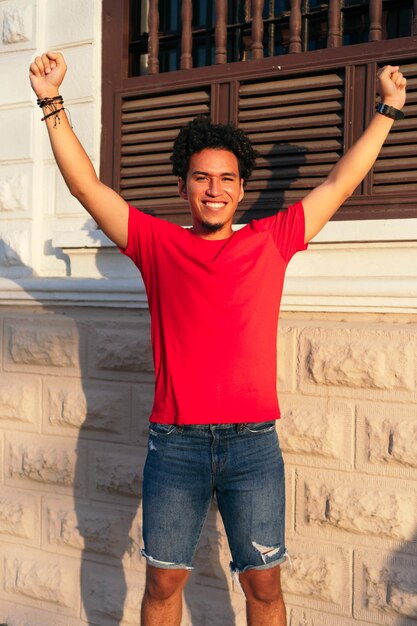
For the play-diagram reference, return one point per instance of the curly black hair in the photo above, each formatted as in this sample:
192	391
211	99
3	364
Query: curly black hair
200	133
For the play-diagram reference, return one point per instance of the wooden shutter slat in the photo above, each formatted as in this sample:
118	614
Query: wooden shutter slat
390	189
302	122
143	181
146	137
295	147
292	84
309	96
150	170
159	102
386	165
148	159
147	148
297	110
395	177
164	114
155	124
298	159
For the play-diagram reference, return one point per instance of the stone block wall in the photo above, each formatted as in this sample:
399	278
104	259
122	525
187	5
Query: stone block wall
75	395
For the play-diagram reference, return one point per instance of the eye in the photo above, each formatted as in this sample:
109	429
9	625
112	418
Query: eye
200	178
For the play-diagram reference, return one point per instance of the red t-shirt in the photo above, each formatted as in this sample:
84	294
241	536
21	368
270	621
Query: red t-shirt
214	308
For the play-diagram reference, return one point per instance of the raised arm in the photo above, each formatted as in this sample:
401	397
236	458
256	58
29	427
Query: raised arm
321	203
108	209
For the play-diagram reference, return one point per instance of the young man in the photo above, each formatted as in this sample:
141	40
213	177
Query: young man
214	299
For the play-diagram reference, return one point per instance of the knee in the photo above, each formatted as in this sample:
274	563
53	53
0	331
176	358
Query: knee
262	585
161	584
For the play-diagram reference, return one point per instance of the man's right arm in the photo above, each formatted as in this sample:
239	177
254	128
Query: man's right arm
107	207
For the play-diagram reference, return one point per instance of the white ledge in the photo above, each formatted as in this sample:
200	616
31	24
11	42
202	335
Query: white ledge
353	275
74	291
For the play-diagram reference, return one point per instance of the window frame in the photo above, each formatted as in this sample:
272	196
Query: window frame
224	79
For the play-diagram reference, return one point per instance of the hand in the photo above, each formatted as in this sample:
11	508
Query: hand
47	73
392	86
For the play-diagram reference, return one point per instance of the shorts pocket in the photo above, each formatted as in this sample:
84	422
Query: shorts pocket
161	430
259	427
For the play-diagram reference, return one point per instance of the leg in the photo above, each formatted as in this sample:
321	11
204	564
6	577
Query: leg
251	498
265	605
176	497
162	600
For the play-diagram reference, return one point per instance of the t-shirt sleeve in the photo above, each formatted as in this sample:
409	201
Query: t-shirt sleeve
140	237
288	230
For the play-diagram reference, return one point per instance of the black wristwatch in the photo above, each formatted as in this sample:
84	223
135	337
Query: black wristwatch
388	111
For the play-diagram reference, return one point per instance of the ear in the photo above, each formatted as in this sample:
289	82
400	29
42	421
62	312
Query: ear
242	190
182	188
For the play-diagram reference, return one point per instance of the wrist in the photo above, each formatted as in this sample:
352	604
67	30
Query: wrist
392	102
47	93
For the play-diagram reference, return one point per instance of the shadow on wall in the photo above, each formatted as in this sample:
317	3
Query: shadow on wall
96	370
396	588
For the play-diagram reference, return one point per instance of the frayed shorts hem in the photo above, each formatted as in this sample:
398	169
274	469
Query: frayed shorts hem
165	564
235	570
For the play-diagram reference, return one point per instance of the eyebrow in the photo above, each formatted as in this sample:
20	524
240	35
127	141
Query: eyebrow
196	172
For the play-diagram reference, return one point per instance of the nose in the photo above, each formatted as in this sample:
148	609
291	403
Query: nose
214	187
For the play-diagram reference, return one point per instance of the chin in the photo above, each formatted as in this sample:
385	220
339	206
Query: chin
212	228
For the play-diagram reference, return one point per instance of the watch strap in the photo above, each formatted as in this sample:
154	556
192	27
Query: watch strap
389	111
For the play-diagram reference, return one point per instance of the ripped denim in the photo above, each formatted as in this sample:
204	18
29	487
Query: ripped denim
241	465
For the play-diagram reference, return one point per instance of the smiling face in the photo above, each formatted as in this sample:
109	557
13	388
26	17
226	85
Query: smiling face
213	189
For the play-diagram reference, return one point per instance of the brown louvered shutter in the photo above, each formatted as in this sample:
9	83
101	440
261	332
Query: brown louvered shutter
149	124
296	124
395	171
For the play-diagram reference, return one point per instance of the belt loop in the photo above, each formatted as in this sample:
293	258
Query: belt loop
180	429
240	427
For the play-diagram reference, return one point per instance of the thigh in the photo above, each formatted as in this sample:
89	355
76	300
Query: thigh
177	493
251	498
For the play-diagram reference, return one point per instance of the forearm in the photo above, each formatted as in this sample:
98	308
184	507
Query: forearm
359	159
71	158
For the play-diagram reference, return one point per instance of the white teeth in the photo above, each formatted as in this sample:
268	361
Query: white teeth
215	205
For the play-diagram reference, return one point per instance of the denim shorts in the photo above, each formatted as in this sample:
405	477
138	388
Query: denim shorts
241	465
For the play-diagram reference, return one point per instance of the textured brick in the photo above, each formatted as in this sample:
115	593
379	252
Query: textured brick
32	577
45	462
52	344
303	617
317	432
14	248
353	358
127	351
385	588
15	133
94	408
142	401
322	578
17	23
19	516
378	509
205	605
111	595
117	472
387	436
14	192
19	400
14	615
88	527
287	358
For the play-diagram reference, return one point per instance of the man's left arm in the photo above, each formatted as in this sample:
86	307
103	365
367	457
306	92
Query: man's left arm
321	203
